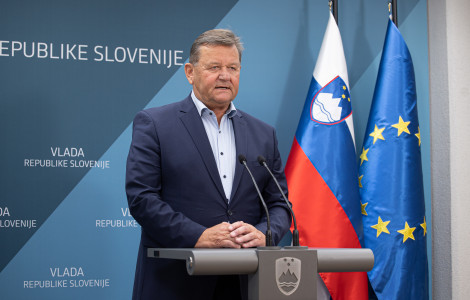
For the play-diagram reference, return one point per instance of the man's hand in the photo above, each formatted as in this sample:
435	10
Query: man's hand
218	236
246	235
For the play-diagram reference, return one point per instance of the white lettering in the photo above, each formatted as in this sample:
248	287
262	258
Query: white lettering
117	223
132	57
16	47
154	55
97	48
82	52
69	51
4	212
106	55
178	59
102	53
169	59
123	55
101	164
125	212
141	55
42	50
32	284
69	152
89	283
18	224
67	272
3	48
51	53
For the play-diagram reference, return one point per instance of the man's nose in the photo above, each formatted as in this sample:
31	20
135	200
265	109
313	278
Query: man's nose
224	74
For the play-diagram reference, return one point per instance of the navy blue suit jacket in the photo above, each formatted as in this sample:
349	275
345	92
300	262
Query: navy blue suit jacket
175	192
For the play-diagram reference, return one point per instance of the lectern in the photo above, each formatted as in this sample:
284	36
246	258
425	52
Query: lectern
273	272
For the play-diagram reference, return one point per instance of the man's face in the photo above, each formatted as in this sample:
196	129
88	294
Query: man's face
215	76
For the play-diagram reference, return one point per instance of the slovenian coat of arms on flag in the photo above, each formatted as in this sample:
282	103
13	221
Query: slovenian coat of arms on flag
321	169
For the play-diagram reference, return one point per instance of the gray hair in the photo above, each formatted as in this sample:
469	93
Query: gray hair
215	37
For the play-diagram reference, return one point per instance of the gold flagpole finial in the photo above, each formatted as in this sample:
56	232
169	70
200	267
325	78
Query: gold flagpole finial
389	7
330	3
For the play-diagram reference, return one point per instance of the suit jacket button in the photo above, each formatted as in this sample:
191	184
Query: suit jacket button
229	212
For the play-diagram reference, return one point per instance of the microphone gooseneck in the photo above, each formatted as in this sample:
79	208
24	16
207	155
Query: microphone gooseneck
269	242
295	233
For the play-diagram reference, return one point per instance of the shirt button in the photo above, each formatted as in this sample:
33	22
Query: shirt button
220	131
225	176
221	153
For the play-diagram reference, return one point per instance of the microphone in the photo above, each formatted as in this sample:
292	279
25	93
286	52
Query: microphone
295	233
242	160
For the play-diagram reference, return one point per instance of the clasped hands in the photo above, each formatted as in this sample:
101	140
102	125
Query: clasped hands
235	235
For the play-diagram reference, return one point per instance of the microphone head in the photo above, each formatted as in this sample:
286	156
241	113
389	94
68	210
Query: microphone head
261	159
241	158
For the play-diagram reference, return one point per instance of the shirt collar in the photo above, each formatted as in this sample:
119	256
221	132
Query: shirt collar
201	107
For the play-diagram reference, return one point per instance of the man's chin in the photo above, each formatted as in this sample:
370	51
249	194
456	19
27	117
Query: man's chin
224	98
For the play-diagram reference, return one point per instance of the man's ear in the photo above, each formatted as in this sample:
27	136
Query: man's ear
189	71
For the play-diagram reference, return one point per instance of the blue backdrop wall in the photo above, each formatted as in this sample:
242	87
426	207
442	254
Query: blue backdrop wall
74	74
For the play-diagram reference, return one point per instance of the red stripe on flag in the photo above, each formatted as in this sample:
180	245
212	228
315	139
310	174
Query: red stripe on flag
322	222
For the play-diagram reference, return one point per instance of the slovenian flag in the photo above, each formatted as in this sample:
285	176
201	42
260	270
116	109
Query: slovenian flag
391	179
321	169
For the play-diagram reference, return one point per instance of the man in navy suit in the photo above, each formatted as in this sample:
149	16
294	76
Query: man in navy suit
185	186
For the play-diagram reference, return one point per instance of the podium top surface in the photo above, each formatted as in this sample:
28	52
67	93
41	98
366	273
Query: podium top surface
204	261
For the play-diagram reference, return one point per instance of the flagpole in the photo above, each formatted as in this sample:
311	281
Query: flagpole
394	12
334	9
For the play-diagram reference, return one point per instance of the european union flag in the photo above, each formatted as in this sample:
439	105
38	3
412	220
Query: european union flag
391	180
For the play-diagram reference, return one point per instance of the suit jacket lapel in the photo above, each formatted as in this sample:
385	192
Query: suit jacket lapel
240	130
193	123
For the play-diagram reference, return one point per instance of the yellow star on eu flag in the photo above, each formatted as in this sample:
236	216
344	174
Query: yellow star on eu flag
407	232
360	181
377	134
424	226
381	226
363	156
402	126
363	209
418	135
